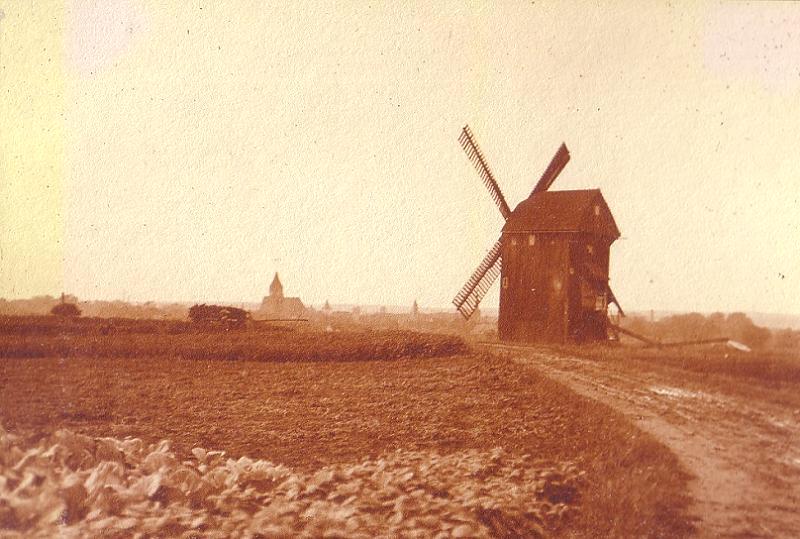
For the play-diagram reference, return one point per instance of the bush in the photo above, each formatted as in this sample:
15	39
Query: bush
218	315
66	309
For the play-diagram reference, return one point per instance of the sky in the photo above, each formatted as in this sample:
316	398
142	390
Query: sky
187	152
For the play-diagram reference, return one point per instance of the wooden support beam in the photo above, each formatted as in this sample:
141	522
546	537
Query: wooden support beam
658	344
692	343
636	336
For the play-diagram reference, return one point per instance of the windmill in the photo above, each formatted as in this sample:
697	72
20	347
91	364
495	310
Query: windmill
552	255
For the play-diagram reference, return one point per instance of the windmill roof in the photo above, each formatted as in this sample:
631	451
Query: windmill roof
564	211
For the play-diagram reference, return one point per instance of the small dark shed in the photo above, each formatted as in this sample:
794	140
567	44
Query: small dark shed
554	277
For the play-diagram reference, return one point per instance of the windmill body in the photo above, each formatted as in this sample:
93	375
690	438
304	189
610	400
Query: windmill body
554	280
552	257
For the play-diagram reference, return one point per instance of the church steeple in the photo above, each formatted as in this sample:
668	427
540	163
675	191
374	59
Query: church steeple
276	288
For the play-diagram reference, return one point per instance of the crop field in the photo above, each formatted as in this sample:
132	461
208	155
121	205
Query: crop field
165	430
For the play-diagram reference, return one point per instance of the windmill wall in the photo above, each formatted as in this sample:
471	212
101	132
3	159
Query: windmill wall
552	288
554	278
533	289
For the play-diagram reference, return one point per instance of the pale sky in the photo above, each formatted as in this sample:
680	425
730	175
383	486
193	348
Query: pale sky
189	152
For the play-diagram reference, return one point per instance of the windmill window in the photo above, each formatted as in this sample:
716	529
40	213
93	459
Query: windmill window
590	249
513	241
531	239
596	210
505	282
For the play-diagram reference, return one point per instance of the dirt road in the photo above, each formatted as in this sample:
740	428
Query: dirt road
744	452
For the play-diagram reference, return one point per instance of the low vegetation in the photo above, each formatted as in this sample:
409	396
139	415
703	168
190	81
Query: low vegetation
91	486
771	368
40	337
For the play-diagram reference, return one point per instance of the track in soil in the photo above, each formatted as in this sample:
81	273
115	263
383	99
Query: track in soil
744	453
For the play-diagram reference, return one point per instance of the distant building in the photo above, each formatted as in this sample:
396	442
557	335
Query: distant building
276	306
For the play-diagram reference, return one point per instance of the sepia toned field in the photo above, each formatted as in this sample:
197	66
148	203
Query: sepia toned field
492	447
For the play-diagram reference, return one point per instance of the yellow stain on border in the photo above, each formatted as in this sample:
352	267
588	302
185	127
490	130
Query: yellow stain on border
32	148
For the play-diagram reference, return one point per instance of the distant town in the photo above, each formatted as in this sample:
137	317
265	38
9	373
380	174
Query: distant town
757	329
274	307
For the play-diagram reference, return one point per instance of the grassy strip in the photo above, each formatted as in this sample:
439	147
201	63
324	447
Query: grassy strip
253	345
642	488
772	368
639	487
54	325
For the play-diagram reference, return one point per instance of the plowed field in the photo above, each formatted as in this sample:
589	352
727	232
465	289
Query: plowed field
316	416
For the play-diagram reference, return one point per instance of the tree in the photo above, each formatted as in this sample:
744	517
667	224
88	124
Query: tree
787	339
755	336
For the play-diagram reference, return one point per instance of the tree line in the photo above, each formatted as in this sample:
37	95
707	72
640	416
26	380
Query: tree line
695	326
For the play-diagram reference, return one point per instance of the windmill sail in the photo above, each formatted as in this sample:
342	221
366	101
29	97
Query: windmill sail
467	300
557	164
476	156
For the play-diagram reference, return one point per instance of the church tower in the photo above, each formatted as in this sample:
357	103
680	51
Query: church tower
277	306
276	288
